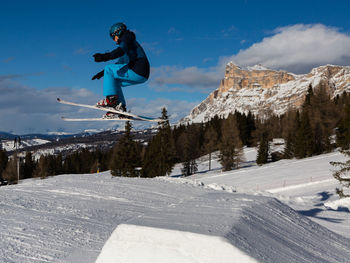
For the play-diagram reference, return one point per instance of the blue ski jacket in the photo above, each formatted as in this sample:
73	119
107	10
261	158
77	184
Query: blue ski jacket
131	52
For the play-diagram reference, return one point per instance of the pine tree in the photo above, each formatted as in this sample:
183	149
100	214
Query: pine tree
160	152
72	164
190	149
151	158
288	152
126	155
290	123
343	129
68	165
263	151
343	175
231	148
189	167
246	126
43	169
29	166
321	142
3	161
308	97
216	124
250	129
58	162
210	142
304	141
323	118
10	173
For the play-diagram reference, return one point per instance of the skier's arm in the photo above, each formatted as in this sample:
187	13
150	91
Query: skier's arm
118	52
98	75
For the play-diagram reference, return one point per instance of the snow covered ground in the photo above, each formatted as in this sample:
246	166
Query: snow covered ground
306	185
282	212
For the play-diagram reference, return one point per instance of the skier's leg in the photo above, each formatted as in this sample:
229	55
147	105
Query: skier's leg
112	85
117	76
132	79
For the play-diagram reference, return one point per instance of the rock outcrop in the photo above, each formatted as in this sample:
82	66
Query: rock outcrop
264	91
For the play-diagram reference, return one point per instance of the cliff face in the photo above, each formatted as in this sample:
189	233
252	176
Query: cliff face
263	91
239	79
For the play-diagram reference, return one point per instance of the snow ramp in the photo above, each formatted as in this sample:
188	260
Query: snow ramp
131	243
216	226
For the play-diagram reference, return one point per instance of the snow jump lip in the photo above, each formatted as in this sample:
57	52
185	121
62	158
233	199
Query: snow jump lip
133	243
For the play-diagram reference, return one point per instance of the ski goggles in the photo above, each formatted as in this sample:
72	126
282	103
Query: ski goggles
116	32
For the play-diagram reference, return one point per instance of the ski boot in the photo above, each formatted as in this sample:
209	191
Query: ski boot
111	102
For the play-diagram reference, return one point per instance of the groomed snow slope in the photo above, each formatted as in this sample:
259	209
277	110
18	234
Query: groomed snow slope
69	218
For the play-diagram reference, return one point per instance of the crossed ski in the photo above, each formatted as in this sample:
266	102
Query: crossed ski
128	115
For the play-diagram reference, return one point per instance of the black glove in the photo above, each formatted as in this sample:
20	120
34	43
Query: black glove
98	75
100	57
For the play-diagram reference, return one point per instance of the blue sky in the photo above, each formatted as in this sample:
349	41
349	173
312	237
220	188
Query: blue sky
47	48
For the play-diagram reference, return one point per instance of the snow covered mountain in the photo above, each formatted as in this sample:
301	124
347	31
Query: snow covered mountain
263	91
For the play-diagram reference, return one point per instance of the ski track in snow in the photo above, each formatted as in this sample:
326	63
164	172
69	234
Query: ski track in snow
69	218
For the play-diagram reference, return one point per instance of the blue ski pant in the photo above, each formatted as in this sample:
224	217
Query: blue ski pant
117	76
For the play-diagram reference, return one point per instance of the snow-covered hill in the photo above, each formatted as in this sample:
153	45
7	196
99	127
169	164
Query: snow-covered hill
69	218
263	91
39	144
9	145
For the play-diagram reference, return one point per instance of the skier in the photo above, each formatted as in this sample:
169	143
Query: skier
131	68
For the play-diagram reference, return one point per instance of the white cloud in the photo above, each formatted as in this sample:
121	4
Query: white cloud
298	49
24	109
189	79
28	110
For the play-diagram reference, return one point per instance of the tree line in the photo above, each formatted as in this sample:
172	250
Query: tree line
320	125
82	161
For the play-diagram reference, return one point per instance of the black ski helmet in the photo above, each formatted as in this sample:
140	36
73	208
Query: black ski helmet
117	29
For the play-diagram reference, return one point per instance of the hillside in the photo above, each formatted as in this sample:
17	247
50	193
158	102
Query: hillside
69	218
41	144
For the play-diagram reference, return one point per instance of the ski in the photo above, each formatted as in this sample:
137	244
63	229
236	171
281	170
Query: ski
107	109
98	119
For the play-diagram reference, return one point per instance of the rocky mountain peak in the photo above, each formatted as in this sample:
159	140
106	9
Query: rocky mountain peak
264	91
